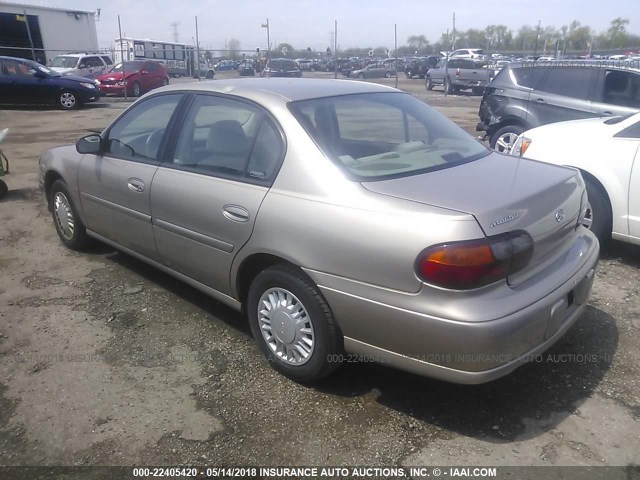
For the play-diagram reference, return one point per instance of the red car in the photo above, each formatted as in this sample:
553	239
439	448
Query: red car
140	76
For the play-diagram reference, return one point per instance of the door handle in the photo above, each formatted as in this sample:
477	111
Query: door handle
136	185
607	113
540	100
236	213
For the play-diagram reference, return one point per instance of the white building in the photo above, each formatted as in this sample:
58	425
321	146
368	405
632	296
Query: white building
52	30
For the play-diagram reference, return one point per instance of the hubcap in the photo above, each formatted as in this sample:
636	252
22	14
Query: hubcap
67	100
587	221
64	215
286	326
506	141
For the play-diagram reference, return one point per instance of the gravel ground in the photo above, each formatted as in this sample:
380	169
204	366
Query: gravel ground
106	361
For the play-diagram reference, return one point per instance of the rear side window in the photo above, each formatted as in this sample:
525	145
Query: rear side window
569	82
529	77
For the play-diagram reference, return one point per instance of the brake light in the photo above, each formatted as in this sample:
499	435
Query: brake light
457	72
474	263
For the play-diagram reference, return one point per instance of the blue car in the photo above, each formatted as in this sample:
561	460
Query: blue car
24	82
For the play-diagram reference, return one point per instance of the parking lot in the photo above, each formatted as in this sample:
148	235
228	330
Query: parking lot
104	360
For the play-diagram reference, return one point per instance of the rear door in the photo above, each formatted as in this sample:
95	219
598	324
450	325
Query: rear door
207	194
91	67
115	185
564	94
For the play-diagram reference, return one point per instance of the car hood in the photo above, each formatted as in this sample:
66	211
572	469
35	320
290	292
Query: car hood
113	76
63	70
504	194
588	128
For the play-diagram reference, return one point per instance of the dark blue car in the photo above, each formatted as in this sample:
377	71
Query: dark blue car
24	82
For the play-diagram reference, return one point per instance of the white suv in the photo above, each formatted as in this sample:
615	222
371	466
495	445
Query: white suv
84	64
473	53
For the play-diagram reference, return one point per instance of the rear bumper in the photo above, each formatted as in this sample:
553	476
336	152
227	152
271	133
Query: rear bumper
470	352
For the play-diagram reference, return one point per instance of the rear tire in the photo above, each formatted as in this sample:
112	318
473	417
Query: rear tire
387	75
68	224
361	76
429	83
599	215
409	74
279	298
3	189
504	138
67	100
209	75
135	90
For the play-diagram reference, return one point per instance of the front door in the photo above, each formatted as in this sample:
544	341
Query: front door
115	185
206	198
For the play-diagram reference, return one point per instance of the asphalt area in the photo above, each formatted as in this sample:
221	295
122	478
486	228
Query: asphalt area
106	361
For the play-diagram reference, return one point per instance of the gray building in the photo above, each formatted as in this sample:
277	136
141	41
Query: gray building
44	32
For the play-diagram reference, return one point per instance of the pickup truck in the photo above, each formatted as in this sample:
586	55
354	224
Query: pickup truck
460	74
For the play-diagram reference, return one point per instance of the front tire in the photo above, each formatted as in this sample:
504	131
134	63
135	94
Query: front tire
293	325
409	74
449	89
68	224
3	189
387	75
136	91
67	100
210	75
504	138
599	216
361	76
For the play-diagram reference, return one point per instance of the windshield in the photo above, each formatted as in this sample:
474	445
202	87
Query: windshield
377	136
64	62
128	66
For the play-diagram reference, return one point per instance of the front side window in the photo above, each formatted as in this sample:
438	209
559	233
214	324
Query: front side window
529	77
378	136
107	60
230	139
64	62
137	135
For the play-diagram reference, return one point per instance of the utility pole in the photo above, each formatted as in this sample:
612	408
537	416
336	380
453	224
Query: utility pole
26	22
335	49
453	43
395	51
197	62
176	37
122	58
266	25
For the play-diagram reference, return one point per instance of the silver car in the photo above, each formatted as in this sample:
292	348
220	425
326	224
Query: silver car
348	220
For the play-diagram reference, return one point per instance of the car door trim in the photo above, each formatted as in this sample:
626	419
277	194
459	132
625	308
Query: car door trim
195	236
217	295
118	208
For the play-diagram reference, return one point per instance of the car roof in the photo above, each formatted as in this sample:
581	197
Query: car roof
289	89
610	64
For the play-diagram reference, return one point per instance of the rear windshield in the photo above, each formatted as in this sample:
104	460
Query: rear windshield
64	62
377	136
282	65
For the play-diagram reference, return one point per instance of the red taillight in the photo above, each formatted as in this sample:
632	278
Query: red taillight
474	263
457	72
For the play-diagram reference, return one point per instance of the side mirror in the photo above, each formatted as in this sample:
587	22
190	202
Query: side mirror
39	74
90	144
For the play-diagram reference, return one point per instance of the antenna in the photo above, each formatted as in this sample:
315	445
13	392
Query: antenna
176	37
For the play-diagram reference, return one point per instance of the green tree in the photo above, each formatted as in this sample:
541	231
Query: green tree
617	32
233	48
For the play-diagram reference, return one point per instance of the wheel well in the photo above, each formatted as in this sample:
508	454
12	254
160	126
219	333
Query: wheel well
252	266
509	121
598	184
50	177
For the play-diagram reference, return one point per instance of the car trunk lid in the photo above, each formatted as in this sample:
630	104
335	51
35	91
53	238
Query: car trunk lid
504	194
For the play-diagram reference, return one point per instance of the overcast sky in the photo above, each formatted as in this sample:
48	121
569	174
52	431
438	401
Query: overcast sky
309	23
